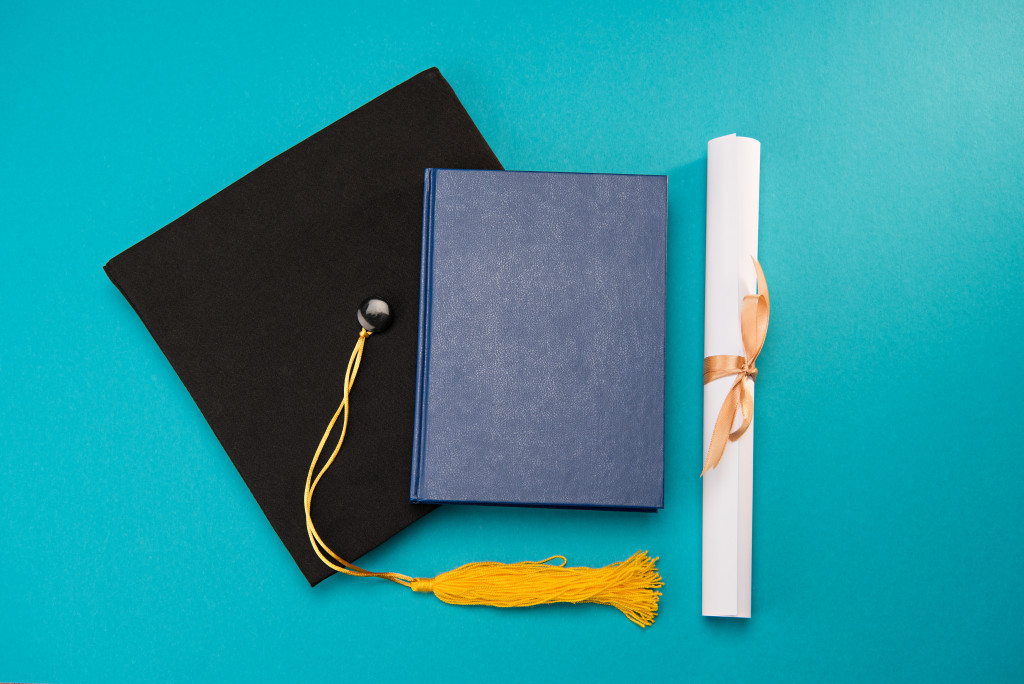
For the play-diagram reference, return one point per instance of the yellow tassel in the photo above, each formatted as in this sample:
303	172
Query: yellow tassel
630	585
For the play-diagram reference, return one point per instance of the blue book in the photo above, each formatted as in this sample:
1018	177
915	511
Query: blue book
541	366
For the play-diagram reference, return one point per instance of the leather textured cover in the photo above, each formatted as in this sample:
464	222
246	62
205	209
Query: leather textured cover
541	370
252	296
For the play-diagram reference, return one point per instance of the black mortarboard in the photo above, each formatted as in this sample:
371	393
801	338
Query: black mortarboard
252	295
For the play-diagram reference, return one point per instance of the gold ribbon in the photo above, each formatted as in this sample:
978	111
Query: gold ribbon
754	327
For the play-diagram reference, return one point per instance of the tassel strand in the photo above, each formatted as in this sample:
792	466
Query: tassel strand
630	585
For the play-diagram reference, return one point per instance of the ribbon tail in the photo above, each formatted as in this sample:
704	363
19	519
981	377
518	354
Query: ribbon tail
723	426
746	406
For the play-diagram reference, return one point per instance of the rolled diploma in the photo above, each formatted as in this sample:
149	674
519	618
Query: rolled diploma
733	176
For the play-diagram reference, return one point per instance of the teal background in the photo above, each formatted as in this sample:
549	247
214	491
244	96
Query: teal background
889	481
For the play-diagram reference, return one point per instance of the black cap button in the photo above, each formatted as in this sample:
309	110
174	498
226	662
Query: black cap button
374	315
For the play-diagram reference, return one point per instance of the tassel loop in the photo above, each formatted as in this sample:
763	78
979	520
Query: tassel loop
424	585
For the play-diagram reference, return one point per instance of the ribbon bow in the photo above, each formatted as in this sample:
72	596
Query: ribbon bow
754	327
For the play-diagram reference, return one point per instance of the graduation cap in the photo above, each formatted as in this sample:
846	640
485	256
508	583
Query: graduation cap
251	296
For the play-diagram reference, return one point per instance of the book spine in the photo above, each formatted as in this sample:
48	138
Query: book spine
423	342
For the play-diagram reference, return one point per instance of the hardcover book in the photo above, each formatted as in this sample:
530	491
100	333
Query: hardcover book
541	368
252	296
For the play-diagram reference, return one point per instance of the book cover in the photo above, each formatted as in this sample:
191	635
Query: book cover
541	368
252	297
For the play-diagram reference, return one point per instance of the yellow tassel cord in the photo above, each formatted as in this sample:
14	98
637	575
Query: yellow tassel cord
630	585
314	538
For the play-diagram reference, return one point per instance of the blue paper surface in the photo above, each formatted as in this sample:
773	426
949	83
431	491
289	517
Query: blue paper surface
888	508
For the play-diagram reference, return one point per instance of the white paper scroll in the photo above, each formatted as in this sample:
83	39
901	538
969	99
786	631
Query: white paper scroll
734	165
